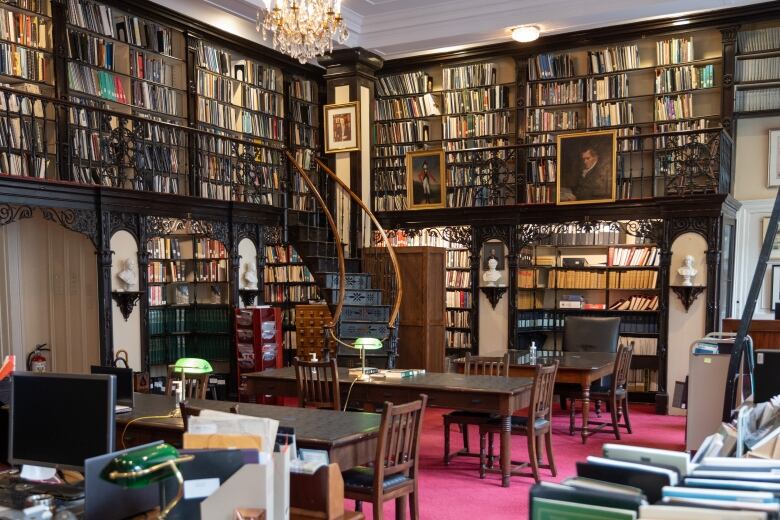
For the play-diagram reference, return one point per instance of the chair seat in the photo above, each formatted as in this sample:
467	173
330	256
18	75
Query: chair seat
520	422
363	477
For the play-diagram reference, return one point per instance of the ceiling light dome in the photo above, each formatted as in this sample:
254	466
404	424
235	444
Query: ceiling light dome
525	33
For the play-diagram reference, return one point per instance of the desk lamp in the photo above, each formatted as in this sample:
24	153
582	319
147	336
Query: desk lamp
363	344
194	366
145	466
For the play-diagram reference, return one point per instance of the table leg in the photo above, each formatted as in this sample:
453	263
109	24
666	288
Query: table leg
585	411
506	450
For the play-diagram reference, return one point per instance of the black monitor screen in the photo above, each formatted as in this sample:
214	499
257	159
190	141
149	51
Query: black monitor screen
58	420
124	382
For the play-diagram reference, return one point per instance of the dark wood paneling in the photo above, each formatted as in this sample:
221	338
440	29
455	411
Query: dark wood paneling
764	333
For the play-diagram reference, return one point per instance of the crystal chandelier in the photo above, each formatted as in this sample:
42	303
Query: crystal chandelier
302	29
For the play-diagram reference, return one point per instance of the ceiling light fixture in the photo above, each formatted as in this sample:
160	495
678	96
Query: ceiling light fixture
526	33
302	29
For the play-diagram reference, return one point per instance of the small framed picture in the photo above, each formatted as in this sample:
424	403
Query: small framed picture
426	185
586	167
342	127
773	175
775	287
493	250
774	253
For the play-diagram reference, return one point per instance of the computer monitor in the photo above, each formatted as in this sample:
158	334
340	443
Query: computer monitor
59	420
124	382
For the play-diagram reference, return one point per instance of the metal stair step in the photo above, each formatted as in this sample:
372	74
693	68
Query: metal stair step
352	330
352	281
365	313
305	232
319	264
359	297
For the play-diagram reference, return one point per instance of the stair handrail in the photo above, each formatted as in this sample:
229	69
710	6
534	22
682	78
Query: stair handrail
381	230
336	237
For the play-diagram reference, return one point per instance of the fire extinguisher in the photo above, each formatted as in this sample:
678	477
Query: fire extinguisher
36	361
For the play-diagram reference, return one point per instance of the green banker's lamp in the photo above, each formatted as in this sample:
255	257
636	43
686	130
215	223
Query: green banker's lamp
192	366
146	466
363	344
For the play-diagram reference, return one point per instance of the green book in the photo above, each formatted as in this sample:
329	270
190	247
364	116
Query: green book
546	509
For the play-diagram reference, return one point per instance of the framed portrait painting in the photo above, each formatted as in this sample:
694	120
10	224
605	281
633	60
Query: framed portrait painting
773	174
586	167
342	127
426	185
774	253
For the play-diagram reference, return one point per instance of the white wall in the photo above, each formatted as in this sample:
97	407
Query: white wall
127	334
48	294
752	158
493	323
685	327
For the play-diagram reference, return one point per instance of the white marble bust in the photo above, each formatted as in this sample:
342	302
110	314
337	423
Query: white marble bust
491	276
687	271
129	275
250	276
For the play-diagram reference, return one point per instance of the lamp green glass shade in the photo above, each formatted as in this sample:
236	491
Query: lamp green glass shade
192	366
368	344
142	467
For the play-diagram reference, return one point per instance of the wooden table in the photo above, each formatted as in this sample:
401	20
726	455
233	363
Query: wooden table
349	437
580	368
499	395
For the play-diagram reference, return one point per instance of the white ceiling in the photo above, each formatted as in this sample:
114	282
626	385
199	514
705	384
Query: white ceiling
397	28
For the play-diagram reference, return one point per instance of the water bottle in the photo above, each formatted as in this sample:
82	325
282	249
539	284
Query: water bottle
532	352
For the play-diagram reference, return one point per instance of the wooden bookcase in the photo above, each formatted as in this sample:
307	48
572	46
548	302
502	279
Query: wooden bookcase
757	70
303	120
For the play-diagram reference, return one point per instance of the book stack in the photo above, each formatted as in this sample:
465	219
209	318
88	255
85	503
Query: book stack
164	248
758	69
459	279
614	59
406	107
401	132
633	256
642	380
157	98
642	346
673	51
610	114
458	319
417	82
151	68
144	34
288	274
557	93
459	299
569	279
92	50
457	339
690	77
96	83
476	100
636	303
29	30
633	279
469	76
157	295
540	120
571	301
674	107
208	249
758	99
97	18
758	40
550	66
539	320
475	125
608	87
302	89
211	271
24	63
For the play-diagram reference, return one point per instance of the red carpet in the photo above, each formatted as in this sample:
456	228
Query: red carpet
456	492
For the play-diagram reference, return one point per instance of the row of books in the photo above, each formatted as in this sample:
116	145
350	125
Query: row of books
753	100
25	29
211	271
674	50
158	98
639	279
685	78
758	69
158	295
458	319
757	40
93	50
406	107
205	248
410	83
633	256
152	68
164	351
469	76
550	66
457	339
472	196
459	299
160	272
539	120
287	273
142	33
390	178
541	171
238	120
460	258
476	125
539	194
570	279
401	132
226	91
476	100
552	319
636	303
97	83
608	87
460	279
642	346
610	114
303	89
600	235
303	112
281	254
303	135
614	59
97	18
681	126
36	6
220	61
558	93
642	380
394	151
166	248
24	63
23	164
674	107
275	293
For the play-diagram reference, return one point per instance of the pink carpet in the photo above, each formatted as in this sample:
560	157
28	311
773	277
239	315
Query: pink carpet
456	492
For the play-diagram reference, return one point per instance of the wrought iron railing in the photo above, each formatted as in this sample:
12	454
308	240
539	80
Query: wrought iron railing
81	142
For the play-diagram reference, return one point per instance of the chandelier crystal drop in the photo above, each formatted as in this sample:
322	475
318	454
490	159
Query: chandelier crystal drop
302	29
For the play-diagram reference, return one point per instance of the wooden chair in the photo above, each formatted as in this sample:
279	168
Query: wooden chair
538	423
197	385
318	383
616	396
474	365
394	472
188	411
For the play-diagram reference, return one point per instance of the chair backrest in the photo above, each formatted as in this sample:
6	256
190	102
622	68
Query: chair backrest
318	383
196	385
591	334
188	411
487	366
542	393
622	366
399	439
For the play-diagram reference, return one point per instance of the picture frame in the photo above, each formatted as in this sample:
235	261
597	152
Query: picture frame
422	166
586	167
342	127
774	253
495	250
773	163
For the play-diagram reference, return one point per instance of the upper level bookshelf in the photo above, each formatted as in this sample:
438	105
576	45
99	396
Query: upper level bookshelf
26	50
757	70
303	119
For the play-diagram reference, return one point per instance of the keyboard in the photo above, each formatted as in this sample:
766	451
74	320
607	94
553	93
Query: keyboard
10	488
